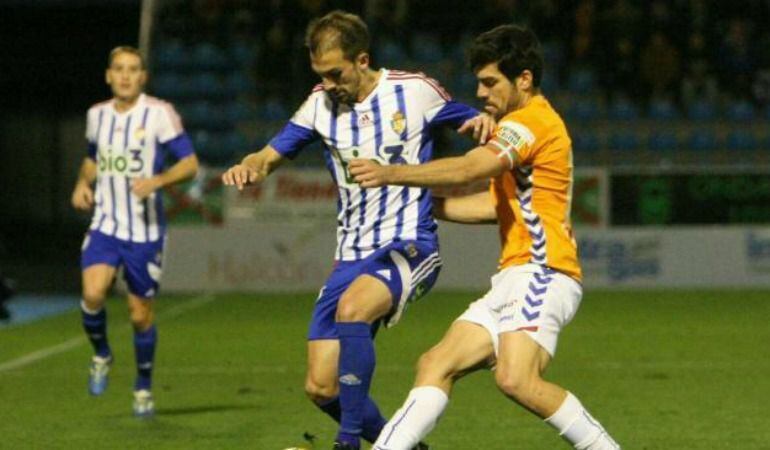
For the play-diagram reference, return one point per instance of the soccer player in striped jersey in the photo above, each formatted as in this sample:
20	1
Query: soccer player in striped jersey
537	289
129	137
387	249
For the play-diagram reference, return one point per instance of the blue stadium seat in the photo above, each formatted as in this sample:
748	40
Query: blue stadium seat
623	140
207	56
550	82
701	111
584	109
585	140
171	55
662	141
243	54
207	85
426	48
662	109
238	83
202	114
390	54
581	81
702	140
238	111
740	111
272	109
741	140
170	85
623	109
234	143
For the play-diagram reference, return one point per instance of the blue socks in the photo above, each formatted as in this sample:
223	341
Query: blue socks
144	348
356	367
373	420
95	325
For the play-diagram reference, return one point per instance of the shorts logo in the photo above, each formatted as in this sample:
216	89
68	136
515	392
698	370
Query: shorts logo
398	122
350	380
411	251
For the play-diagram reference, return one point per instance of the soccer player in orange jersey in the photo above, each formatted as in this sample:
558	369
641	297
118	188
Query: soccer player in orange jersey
537	290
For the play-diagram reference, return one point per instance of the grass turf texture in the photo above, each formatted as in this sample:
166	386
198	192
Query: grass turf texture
660	369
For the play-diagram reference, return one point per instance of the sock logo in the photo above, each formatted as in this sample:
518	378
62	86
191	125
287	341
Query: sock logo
350	380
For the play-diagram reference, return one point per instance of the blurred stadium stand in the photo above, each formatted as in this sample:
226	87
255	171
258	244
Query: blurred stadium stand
229	65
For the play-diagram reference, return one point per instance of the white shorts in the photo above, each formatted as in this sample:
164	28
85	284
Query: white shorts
529	297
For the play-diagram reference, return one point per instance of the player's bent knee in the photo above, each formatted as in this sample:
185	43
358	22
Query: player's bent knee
432	368
319	393
518	385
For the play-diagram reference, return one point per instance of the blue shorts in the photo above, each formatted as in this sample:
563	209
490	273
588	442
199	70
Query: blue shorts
408	268
141	261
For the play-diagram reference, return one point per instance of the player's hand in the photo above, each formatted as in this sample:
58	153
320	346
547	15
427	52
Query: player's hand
82	197
241	175
482	127
143	187
369	173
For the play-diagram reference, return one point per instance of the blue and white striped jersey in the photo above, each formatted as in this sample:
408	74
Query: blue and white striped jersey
393	125
128	145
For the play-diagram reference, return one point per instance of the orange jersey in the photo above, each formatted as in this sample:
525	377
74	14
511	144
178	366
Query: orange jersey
533	198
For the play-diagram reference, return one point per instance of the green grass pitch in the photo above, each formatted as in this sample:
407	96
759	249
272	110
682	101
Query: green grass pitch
660	369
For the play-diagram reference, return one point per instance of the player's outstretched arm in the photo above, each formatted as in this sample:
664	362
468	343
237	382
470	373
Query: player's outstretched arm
83	194
478	164
183	169
253	168
475	208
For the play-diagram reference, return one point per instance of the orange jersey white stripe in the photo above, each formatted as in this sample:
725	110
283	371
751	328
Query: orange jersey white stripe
533	198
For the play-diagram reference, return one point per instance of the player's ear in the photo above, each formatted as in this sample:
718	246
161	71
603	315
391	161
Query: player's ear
362	60
524	81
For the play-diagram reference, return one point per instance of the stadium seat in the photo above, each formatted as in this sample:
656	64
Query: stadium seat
741	140
702	140
272	110
207	56
170	86
585	140
701	111
584	109
662	109
740	111
623	109
581	81
623	140
238	83
662	141
170	55
390	54
239	111
207	85
243	54
426	48
204	115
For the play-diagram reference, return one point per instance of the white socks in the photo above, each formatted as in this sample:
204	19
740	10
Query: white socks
414	420
579	428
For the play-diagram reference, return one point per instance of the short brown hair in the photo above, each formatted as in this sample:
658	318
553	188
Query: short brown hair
338	29
125	49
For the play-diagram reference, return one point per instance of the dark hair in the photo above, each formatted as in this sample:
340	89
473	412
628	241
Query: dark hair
338	29
125	49
512	47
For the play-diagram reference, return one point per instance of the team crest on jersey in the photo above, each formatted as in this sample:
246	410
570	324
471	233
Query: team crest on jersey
139	134
411	250
398	122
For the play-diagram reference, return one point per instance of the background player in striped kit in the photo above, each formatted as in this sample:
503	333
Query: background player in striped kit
537	289
128	138
387	251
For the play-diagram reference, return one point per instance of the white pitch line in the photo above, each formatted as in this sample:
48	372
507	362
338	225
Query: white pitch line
69	344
